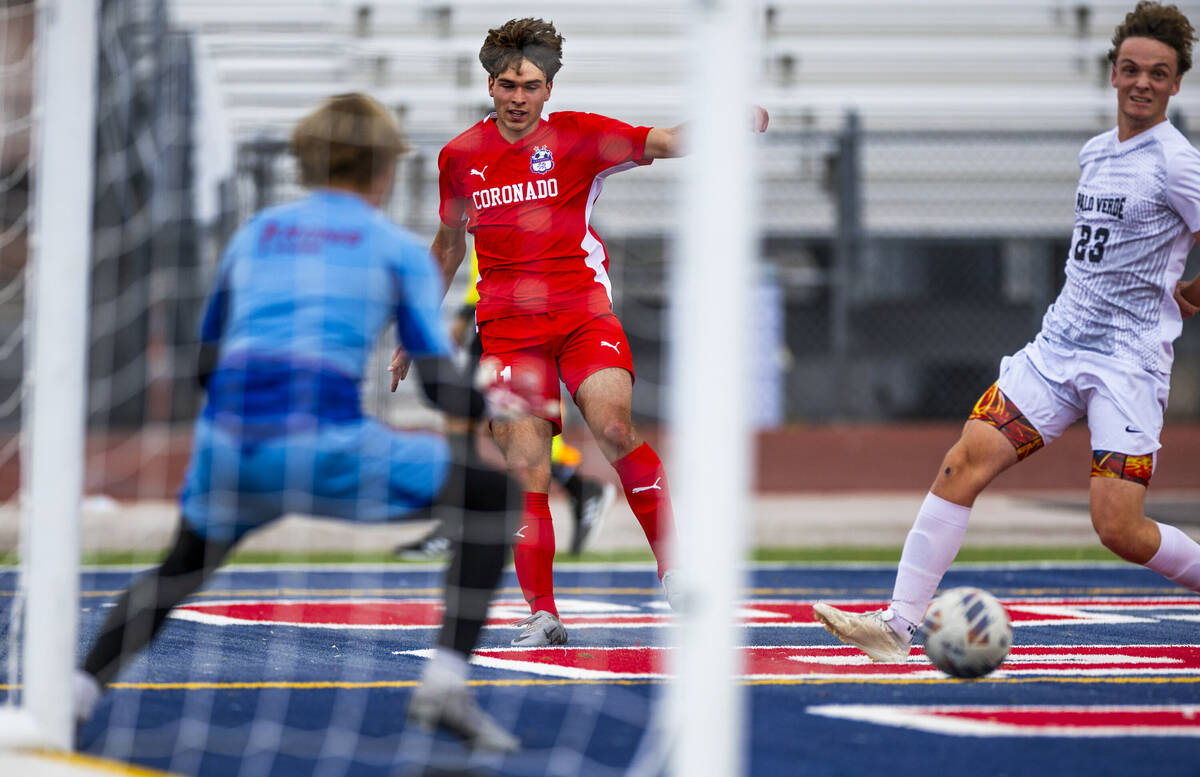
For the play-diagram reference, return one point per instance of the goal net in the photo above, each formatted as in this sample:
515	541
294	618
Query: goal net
301	653
102	285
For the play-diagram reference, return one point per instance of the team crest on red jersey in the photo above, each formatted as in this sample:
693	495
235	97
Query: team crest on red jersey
542	160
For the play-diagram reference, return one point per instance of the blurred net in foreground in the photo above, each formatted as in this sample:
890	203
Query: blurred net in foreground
274	693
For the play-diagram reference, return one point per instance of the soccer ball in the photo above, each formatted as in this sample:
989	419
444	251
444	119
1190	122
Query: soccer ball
967	632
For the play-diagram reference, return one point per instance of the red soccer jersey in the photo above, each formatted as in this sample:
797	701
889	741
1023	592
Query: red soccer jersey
528	205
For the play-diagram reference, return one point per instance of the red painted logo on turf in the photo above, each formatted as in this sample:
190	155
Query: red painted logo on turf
584	614
839	662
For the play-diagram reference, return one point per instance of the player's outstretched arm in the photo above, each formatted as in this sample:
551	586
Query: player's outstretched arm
448	249
665	143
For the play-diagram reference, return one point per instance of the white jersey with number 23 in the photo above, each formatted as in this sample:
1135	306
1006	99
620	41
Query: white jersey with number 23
1136	210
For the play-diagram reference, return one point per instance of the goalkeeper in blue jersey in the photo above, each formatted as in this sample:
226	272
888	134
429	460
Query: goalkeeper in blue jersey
301	294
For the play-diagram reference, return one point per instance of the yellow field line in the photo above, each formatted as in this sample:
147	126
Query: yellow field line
352	686
307	592
100	764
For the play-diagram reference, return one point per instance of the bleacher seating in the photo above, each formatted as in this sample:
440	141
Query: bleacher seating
974	65
1005	63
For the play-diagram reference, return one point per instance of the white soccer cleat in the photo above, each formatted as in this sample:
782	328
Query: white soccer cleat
541	629
87	694
433	547
674	588
589	507
867	631
456	711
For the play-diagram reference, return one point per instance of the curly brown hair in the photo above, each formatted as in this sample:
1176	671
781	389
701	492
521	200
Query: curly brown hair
534	40
1163	23
350	139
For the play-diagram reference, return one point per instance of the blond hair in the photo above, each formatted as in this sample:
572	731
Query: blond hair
349	140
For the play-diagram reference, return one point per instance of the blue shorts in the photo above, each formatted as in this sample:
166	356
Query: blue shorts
360	470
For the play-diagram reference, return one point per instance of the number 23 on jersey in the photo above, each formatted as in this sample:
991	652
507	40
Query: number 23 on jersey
1091	242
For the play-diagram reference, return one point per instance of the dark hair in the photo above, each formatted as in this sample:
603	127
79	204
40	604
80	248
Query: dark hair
531	39
1163	23
349	139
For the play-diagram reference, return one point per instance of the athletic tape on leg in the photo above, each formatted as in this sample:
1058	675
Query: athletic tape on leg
999	411
1108	464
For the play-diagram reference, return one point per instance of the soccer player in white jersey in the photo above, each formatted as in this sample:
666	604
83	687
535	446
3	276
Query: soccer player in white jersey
1104	350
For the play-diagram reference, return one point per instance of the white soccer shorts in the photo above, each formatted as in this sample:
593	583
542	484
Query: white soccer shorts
1054	387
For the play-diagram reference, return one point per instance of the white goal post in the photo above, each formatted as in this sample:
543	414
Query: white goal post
710	401
55	380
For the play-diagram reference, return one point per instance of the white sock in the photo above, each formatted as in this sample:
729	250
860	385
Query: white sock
87	693
1177	558
930	548
446	669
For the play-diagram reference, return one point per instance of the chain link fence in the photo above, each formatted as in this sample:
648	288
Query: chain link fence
897	267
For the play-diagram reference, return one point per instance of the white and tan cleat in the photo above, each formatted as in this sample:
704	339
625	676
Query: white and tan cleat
867	631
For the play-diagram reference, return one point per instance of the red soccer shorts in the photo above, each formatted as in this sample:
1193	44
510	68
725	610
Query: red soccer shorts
565	344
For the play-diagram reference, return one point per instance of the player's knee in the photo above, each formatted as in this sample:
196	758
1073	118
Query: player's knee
1124	531
1110	540
1114	535
618	436
1117	495
963	465
533	474
956	462
192	553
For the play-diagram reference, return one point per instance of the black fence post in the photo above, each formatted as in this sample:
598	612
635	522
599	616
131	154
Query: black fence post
848	190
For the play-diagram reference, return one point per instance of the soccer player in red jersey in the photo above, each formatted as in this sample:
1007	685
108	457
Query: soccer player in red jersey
525	184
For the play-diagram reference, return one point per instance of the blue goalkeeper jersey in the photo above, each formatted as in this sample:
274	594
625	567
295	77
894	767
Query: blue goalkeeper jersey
301	294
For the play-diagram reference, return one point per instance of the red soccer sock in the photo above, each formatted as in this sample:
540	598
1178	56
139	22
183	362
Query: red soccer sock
533	555
645	484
